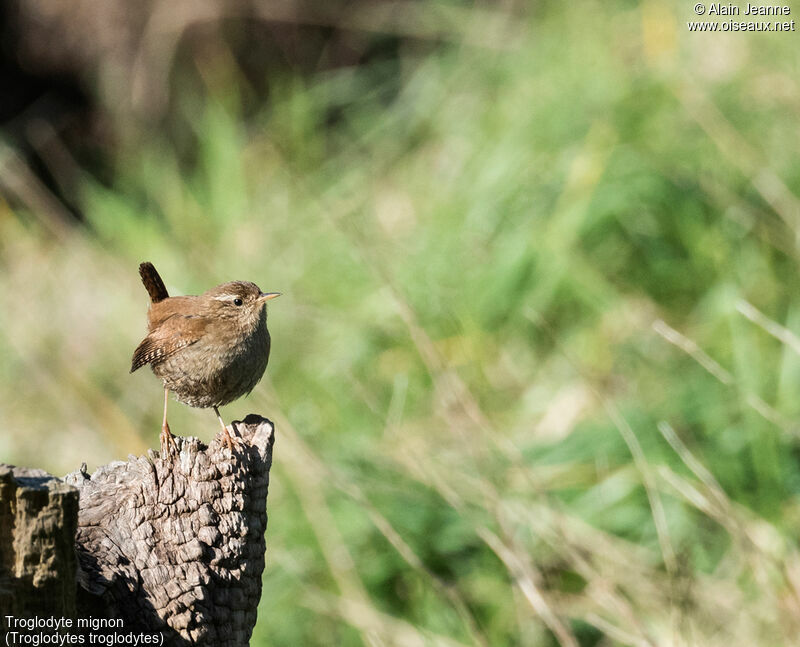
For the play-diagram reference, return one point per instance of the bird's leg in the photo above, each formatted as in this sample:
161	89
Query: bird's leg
226	437
167	440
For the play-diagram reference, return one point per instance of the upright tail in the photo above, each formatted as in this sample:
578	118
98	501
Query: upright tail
152	282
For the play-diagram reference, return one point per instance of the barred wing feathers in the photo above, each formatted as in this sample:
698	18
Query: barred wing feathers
165	341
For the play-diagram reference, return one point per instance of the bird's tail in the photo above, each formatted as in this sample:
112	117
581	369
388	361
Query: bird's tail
152	282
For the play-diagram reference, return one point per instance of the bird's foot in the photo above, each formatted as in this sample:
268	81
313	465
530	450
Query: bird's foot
227	439
232	441
168	445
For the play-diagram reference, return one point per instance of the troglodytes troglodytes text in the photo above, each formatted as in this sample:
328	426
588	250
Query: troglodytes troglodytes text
209	349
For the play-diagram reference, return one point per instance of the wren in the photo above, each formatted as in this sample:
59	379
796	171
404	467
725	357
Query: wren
209	349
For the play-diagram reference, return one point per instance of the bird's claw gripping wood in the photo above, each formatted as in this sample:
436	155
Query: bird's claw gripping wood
168	445
227	440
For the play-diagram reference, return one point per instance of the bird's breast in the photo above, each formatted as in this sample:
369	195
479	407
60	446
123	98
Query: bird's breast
217	370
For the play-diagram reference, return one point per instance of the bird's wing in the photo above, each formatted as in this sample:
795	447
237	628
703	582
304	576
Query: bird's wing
166	340
160	311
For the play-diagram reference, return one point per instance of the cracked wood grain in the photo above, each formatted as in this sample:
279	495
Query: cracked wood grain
38	516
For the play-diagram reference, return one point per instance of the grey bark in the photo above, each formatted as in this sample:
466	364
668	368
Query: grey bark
171	545
38	516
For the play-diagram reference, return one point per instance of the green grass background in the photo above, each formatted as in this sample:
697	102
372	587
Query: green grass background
533	373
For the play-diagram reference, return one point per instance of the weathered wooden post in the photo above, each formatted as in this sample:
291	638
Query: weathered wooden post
171	548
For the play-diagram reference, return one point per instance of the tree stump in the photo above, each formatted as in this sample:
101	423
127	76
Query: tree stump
38	516
172	546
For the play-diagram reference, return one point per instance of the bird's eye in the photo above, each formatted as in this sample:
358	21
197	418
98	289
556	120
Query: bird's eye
237	301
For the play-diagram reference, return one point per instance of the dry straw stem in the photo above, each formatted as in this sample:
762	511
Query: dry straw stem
469	425
616	633
525	576
691	348
759	557
478	428
635	448
750	162
301	461
762	552
382	628
648	480
518	565
616	571
356	607
19	181
773	231
782	334
703	501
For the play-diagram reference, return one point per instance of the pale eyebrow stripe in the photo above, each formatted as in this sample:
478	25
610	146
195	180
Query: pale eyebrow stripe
227	297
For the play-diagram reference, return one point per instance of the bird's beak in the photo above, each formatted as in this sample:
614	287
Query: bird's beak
266	296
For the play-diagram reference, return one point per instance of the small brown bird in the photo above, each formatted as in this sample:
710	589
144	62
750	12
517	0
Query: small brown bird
209	349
